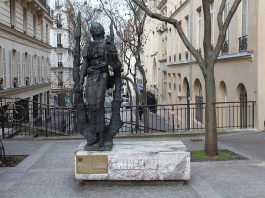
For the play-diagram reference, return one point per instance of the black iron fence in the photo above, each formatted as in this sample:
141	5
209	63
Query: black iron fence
243	43
25	118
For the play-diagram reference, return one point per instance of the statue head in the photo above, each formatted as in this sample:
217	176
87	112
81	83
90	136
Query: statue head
96	29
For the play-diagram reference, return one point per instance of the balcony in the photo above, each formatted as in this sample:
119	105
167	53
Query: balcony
243	43
59	25
60	64
225	48
44	4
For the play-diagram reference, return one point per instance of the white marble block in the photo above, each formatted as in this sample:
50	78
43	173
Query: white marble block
134	160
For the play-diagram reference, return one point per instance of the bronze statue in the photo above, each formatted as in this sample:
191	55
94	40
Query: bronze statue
99	55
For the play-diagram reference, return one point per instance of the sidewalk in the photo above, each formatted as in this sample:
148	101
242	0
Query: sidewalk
48	171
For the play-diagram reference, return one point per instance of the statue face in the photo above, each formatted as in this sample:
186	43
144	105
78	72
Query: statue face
96	29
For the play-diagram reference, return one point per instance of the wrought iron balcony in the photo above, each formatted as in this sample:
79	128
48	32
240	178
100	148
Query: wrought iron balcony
225	48
243	43
60	64
44	4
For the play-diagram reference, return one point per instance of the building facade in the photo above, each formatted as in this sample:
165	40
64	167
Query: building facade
173	74
25	50
61	56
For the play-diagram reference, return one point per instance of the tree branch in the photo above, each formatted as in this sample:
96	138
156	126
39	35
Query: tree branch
220	14
222	33
177	25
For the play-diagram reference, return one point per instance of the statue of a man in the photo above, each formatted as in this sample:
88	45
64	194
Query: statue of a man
98	55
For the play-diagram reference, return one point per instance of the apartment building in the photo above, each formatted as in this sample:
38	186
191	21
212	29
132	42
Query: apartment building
173	74
61	56
25	50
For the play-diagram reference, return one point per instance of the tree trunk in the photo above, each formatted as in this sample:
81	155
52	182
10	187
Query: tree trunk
210	117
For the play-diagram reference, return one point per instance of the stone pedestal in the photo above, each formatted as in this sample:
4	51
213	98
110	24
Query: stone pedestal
134	160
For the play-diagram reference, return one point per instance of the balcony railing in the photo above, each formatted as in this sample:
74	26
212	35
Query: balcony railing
60	64
243	43
44	3
59	25
225	48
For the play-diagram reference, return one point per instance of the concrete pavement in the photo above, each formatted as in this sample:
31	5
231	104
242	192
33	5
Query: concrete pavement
48	171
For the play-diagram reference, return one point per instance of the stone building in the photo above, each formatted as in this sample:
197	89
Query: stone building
173	74
25	50
61	56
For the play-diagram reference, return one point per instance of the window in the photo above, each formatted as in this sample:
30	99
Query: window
30	70
226	11
25	18
60	78
187	56
187	25
47	33
175	58
199	25
33	81
57	3
212	21
169	59
11	67
60	59
23	65
244	17
41	30
59	20
34	26
42	69
13	13
179	57
59	40
39	71
19	69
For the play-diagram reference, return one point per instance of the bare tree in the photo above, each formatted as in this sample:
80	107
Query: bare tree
131	31
206	62
88	13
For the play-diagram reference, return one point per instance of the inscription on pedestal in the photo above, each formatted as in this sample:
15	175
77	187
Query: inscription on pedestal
92	164
134	164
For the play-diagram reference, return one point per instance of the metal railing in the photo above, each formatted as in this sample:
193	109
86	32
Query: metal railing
34	119
243	43
225	48
45	5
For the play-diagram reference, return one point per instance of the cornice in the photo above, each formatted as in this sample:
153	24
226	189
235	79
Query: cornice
180	8
161	4
23	89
